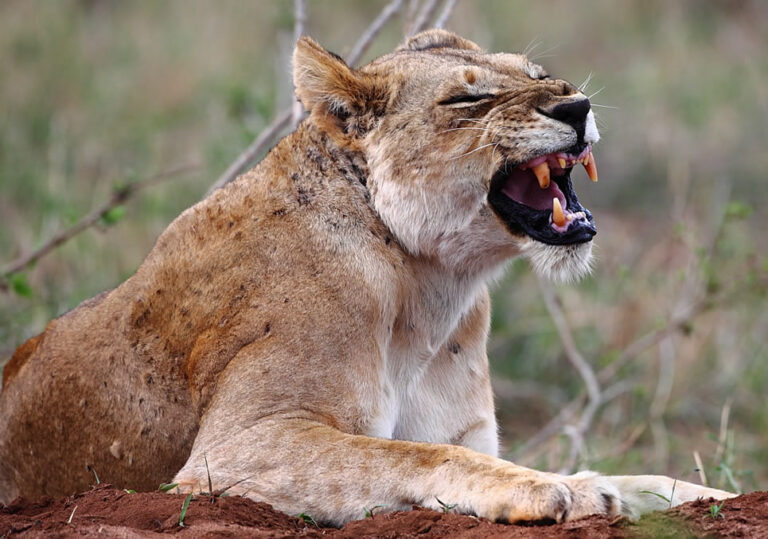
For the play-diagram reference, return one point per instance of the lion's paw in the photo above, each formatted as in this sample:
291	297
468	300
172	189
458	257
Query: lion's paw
593	494
551	497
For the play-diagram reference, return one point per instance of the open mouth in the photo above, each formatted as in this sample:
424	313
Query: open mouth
536	198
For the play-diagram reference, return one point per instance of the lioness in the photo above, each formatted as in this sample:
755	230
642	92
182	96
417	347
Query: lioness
302	333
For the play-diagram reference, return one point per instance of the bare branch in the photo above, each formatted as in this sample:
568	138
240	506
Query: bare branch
553	427
700	468
641	344
725	414
280	122
283	119
556	424
575	432
299	29
424	16
569	345
370	33
299	19
445	15
665	379
119	196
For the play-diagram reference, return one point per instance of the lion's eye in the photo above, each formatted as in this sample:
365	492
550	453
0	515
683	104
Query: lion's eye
465	98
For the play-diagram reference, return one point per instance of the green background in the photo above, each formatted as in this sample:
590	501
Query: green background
94	94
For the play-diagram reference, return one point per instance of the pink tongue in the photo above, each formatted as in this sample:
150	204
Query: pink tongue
522	186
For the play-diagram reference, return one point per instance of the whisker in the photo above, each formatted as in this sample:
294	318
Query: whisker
475	150
604	106
583	85
463	129
471	120
597	92
544	53
531	46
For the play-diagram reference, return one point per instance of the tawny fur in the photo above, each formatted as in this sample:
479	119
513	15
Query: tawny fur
316	331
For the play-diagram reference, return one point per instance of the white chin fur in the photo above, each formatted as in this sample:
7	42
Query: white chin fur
559	263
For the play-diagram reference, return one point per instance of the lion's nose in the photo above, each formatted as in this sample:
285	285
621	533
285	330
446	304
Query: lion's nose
573	113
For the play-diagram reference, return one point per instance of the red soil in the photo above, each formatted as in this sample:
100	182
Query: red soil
106	510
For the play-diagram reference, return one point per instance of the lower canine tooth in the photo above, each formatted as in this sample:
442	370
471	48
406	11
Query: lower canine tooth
542	174
591	167
558	217
561	162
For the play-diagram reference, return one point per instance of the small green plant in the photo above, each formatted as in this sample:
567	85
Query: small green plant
715	511
370	512
165	487
210	483
727	472
129	491
98	481
668	500
446	507
184	508
308	519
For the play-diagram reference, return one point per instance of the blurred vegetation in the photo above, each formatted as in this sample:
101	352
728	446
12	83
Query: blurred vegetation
97	93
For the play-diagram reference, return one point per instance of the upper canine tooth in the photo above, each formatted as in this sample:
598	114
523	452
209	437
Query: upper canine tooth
558	217
591	167
542	174
561	162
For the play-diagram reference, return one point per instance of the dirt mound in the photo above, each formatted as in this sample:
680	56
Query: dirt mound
106	510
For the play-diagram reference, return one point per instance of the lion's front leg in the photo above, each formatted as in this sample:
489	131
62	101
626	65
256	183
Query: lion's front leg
300	465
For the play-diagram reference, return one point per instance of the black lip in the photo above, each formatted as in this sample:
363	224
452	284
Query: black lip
522	219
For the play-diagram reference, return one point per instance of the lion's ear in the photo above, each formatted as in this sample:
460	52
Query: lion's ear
323	78
438	39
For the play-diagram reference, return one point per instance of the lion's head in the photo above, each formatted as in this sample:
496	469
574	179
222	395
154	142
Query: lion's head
469	152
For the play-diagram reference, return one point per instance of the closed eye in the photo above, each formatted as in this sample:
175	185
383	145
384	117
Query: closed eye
465	98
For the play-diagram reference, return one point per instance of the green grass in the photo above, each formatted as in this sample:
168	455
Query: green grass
369	512
184	508
715	510
446	507
661	496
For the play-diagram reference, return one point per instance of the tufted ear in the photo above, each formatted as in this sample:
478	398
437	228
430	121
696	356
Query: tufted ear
322	78
438	39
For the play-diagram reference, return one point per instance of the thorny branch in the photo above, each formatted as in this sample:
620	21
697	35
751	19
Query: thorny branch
119	197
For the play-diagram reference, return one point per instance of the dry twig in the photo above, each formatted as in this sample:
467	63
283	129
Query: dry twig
119	196
299	29
264	138
445	15
370	33
700	468
283	119
425	15
575	432
692	301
